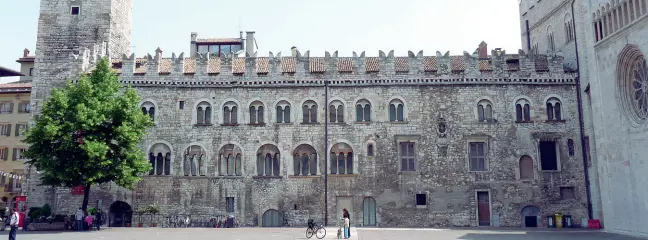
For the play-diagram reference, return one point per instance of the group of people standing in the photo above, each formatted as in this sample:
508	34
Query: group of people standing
84	220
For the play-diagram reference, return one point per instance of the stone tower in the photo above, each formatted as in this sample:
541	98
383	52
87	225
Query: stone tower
71	34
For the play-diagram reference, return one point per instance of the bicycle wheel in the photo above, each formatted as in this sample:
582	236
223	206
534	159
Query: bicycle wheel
321	233
309	233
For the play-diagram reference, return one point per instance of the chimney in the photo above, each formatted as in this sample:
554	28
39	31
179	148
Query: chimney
483	50
193	48
158	54
294	51
250	43
25	52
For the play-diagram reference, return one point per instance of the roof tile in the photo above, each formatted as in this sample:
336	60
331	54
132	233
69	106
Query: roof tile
485	65
402	64
238	66
372	65
541	63
213	66
457	63
262	65
430	64
16	85
345	64
288	65
317	65
189	65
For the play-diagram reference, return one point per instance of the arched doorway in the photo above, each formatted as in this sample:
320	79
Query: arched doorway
530	216
120	214
271	218
369	212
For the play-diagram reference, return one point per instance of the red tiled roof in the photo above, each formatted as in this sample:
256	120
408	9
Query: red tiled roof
401	64
16	85
541	63
372	65
345	64
213	66
26	59
288	65
189	65
238	66
457	63
317	65
429	64
263	65
485	65
218	40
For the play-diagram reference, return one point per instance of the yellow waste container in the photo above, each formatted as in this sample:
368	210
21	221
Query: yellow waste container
559	222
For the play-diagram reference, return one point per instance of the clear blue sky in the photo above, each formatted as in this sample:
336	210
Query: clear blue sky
318	26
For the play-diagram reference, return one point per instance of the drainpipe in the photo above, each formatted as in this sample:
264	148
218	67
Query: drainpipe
325	152
580	118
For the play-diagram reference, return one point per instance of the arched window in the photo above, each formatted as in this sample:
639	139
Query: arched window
396	110
522	110
485	111
569	28
305	160
283	112
363	111
194	158
370	149
550	41
256	113
336	112
203	113
554	111
230	113
229	161
148	108
268	160
341	159
526	168
309	110
160	159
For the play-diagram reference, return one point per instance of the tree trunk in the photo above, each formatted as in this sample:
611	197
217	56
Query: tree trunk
86	196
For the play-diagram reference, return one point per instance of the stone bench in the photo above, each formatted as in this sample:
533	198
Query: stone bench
46	226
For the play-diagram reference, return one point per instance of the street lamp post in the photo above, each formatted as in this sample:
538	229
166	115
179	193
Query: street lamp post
325	152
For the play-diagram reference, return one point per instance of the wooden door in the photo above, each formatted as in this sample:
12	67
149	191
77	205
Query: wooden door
271	218
369	211
483	208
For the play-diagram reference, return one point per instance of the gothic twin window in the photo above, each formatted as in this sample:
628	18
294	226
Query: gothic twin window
341	159
160	159
309	110
522	111
229	161
149	109
305	160
203	113
553	109
256	113
194	160
283	112
268	161
230	113
336	112
363	111
485	111
396	111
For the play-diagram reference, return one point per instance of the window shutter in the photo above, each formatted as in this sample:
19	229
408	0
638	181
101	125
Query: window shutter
11	107
15	150
17	130
5	154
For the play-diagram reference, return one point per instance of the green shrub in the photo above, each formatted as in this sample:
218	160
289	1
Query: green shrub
46	210
35	213
93	211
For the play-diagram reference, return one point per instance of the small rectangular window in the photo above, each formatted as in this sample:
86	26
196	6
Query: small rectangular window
76	10
182	103
567	193
31	71
230	204
548	155
477	156
421	199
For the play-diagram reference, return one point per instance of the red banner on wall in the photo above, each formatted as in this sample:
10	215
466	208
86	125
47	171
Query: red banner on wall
78	190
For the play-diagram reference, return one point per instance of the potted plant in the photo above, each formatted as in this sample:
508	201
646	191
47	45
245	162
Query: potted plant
153	210
139	213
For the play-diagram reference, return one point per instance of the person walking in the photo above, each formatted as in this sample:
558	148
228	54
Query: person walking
98	219
79	220
15	219
347	216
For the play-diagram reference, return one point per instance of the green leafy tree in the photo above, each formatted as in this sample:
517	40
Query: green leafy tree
88	133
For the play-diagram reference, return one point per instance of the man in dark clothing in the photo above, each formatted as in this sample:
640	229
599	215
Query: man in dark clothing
98	219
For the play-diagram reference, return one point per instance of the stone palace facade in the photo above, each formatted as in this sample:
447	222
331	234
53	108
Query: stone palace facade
482	139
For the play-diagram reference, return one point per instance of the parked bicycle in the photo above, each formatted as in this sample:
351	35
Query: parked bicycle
317	229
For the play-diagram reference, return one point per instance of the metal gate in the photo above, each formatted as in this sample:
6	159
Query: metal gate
369	212
271	218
